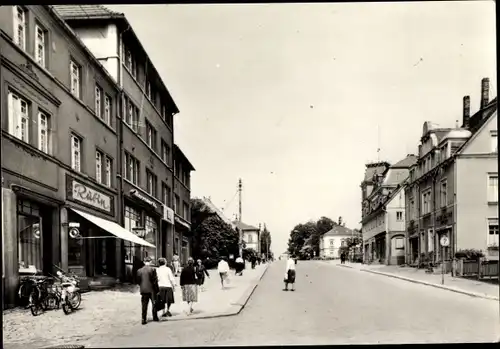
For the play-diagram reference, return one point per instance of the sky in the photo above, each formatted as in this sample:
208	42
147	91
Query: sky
295	99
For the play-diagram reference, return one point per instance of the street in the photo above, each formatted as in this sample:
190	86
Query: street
331	305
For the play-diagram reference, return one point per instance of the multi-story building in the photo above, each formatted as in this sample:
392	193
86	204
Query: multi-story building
453	189
60	150
383	216
147	178
331	241
250	234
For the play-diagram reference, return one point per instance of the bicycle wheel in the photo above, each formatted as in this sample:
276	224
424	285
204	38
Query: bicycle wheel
75	300
34	301
66	306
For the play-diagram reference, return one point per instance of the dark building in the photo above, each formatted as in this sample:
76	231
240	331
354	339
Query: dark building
53	131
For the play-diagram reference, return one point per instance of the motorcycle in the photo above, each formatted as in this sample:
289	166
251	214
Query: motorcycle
70	293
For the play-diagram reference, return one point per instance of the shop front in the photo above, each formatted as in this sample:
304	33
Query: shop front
167	233
143	215
182	239
91	237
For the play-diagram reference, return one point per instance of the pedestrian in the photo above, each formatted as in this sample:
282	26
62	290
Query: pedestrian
223	269
166	284
176	264
189	284
254	261
148	283
290	274
240	265
201	271
342	258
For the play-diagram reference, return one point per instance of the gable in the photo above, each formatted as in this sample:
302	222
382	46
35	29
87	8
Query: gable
481	141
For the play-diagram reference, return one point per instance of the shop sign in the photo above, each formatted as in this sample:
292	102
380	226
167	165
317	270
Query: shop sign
134	193
90	197
168	214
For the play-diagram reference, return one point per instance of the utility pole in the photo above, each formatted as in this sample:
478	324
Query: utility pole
240	187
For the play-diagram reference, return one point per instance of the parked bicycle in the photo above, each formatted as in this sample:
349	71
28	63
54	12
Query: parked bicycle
41	299
70	292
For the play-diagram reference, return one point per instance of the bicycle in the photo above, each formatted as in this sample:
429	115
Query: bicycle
70	293
40	298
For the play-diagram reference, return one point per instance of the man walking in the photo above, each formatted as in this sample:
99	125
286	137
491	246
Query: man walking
148	282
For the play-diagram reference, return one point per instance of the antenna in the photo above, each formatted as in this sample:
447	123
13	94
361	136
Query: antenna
378	143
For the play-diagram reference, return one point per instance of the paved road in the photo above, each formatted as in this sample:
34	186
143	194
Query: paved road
332	305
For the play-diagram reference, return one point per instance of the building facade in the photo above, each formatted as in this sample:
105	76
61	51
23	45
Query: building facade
149	183
331	242
83	146
453	189
251	235
383	216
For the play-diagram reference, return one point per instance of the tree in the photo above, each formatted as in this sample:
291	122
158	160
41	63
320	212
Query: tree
265	241
213	238
302	236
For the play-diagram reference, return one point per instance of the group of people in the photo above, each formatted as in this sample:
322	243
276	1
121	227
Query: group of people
158	285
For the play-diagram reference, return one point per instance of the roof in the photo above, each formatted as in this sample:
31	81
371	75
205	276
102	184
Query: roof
219	212
340	230
480	119
371	169
395	176
80	13
184	157
85	12
243	226
407	162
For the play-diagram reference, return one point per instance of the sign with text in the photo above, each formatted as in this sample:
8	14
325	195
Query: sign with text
136	194
88	196
168	214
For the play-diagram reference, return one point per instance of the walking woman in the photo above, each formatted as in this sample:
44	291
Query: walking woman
201	271
166	282
189	284
290	274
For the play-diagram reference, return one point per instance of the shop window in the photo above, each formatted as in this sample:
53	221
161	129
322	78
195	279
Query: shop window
399	243
151	233
132	220
29	237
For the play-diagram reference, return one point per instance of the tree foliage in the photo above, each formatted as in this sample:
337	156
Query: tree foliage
305	238
265	241
213	238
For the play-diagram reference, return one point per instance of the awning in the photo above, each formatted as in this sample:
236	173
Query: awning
113	228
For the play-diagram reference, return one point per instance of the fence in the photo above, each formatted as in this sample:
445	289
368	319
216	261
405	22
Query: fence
480	268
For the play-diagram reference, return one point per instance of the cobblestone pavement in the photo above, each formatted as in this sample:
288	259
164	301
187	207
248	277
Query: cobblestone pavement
331	305
469	285
114	311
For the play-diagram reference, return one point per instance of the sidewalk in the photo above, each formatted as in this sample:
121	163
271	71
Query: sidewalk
118	310
469	287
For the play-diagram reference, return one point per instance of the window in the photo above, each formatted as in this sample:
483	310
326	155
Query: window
177	203
492	232
107	110
29	235
399	243
18	117
250	238
444	194
152	183
98	166
331	242
150	136
20	27
132	220
148	89
165	152
109	169
153	96
165	194
131	169
177	170
75	79
494	142
98	103
40	45
132	116
130	63
151	233
76	152
43	132
186	212
426	197
493	188
399	216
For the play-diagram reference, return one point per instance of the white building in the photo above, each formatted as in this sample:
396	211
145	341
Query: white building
332	240
251	235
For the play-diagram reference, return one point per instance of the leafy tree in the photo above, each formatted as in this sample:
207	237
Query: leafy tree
301	235
265	241
213	238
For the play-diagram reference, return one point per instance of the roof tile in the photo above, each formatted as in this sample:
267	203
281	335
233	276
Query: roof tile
84	11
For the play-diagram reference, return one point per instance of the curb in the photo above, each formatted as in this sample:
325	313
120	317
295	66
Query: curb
234	308
344	266
448	288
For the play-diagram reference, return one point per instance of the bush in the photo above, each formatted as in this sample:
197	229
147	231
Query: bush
469	254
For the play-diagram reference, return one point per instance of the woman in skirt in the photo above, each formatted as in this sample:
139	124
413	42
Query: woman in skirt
290	274
201	271
166	282
188	282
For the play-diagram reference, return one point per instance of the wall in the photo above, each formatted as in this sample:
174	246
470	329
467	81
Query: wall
255	240
375	226
481	144
397	204
326	250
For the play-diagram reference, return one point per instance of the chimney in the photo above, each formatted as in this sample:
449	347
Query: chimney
340	220
466	115
485	92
